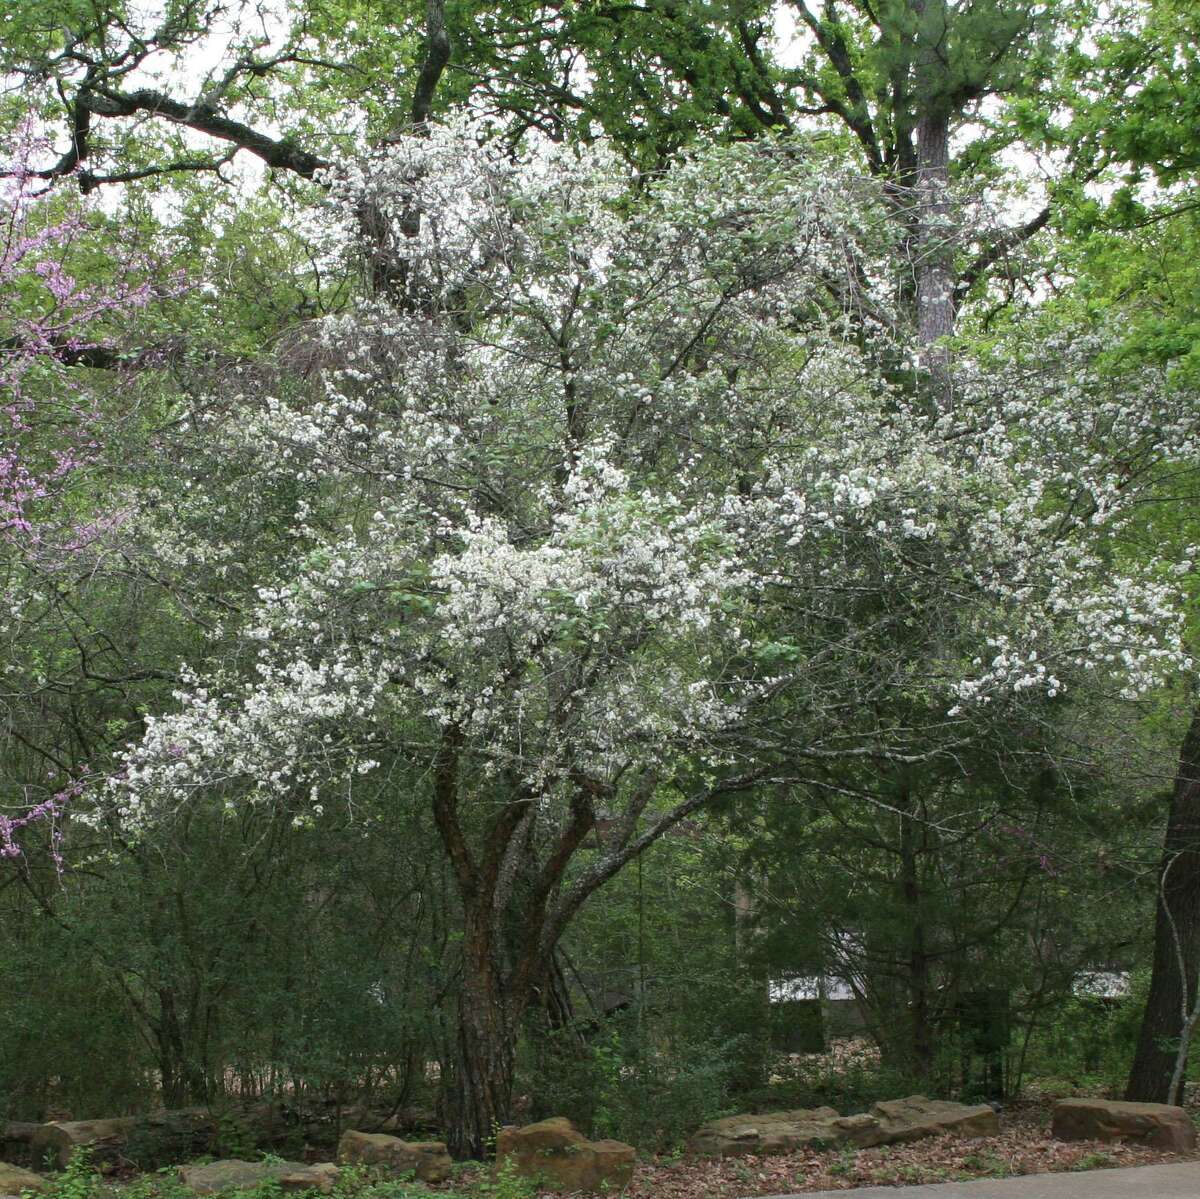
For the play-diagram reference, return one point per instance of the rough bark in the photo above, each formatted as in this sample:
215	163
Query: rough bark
437	56
278	153
934	265
1176	967
935	259
479	1096
477	1090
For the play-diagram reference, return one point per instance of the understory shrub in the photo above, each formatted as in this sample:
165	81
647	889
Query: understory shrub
849	1083
629	1086
1087	1043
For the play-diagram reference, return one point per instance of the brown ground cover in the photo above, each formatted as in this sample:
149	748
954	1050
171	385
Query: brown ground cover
1024	1146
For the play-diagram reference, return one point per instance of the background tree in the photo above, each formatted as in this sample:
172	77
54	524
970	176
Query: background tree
1130	253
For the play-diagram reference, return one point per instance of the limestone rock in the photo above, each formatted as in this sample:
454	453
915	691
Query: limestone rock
157	1138
233	1172
52	1144
916	1117
561	1158
1156	1124
320	1177
14	1180
861	1130
429	1160
887	1123
772	1132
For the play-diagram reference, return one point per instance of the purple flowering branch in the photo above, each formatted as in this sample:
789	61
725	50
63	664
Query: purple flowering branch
48	812
47	322
51	424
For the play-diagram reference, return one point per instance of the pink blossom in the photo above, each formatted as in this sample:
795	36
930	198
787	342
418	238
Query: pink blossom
48	438
49	812
52	424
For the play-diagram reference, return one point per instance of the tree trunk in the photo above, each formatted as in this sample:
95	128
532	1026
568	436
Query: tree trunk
920	1032
184	1079
935	255
935	261
171	1054
1176	935
751	1017
478	1094
934	266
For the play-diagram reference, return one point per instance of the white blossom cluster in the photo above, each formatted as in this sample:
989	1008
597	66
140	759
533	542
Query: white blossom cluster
606	482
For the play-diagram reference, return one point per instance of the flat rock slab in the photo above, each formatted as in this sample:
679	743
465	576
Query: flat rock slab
225	1175
321	1177
1139	1182
56	1141
1156	1124
889	1123
15	1179
916	1117
164	1136
556	1155
428	1160
771	1132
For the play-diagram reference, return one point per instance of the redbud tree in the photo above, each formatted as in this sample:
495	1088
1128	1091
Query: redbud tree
53	326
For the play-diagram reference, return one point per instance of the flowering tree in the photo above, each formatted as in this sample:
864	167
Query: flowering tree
51	325
618	501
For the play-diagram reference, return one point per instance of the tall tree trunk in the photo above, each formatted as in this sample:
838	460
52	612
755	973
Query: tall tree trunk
1176	935
477	1088
935	248
480	1091
753	1013
935	262
172	1051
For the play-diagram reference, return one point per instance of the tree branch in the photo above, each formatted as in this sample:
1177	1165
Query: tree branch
856	114
437	55
1007	241
277	153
